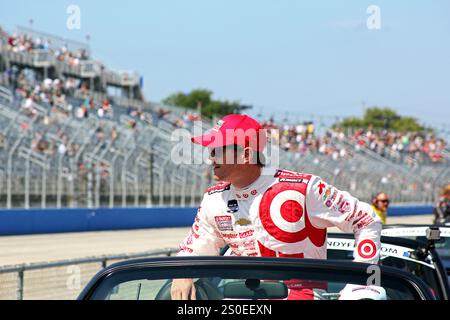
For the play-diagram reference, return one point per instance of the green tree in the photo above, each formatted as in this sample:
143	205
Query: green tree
203	98
351	122
380	117
408	124
383	118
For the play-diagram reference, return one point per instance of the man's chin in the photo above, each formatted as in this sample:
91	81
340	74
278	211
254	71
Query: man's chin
218	177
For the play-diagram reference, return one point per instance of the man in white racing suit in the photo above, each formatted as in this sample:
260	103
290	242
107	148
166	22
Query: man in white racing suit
269	212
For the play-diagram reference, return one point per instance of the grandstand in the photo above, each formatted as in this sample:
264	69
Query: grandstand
67	139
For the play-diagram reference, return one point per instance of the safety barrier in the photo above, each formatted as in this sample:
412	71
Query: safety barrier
399	211
39	221
60	280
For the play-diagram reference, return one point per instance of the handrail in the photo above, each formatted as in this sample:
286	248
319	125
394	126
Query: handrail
376	157
62	263
22	268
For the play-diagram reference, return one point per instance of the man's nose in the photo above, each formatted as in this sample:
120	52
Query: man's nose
211	157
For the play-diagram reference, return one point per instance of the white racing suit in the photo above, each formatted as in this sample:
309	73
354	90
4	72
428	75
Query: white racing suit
281	214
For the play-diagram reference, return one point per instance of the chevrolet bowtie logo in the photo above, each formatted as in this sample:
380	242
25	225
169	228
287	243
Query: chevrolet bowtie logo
243	222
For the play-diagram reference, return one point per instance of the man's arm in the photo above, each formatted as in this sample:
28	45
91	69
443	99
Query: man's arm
340	209
203	239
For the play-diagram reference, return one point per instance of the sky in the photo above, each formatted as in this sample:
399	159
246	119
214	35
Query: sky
286	58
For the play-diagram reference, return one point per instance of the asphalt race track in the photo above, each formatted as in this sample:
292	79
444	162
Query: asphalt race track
56	282
54	247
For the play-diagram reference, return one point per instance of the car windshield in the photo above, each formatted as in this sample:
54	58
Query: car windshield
254	283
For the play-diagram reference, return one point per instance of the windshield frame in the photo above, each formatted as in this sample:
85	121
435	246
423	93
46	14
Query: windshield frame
314	268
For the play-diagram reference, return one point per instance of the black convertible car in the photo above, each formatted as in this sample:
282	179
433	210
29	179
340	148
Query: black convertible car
419	258
252	278
419	232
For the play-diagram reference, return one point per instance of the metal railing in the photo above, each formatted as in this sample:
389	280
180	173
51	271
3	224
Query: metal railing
132	169
42	58
418	183
53	40
136	169
59	280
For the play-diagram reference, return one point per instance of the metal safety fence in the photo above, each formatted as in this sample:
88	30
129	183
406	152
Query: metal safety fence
61	280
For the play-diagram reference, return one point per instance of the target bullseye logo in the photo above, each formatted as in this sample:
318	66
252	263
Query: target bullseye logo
286	211
282	214
291	211
367	249
285	219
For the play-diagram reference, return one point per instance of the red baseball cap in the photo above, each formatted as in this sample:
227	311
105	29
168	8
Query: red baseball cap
234	129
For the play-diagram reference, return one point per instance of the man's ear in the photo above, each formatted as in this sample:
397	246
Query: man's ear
374	201
374	198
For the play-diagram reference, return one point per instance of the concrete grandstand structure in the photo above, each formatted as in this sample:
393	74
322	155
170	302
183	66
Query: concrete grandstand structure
121	156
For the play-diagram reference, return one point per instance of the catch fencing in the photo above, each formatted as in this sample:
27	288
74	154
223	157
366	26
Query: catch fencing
62	280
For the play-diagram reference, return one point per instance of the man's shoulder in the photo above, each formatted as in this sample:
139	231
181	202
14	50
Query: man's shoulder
294	177
220	187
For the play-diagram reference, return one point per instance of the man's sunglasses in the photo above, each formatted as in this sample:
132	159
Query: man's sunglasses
384	201
220	151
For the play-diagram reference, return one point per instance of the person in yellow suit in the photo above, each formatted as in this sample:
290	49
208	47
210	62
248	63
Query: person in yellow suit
380	205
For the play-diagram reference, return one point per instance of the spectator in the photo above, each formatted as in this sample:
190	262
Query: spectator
2	141
380	205
412	148
100	112
62	149
442	210
162	113
114	134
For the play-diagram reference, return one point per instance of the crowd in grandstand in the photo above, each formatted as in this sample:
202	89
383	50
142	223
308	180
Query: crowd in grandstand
410	147
301	138
27	43
58	94
55	92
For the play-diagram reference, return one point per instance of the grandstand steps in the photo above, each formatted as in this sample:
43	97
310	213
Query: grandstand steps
135	166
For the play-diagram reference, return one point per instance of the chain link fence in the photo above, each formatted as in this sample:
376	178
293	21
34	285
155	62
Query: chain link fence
62	280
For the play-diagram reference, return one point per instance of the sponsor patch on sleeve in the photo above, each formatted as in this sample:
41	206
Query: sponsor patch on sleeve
329	201
367	249
224	223
321	187
220	187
